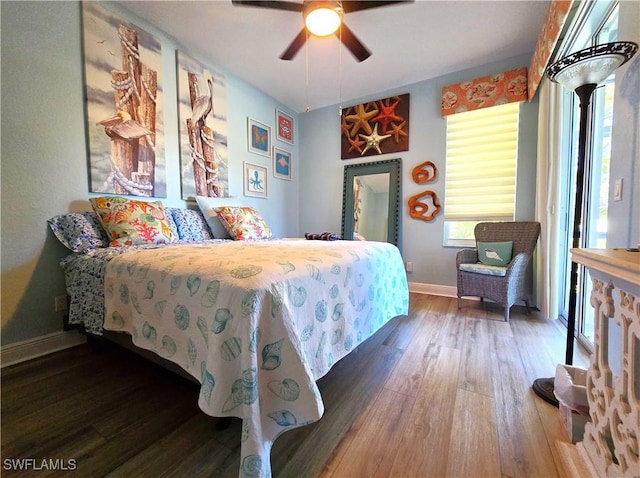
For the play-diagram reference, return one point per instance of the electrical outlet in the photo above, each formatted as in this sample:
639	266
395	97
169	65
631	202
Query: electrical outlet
409	266
60	303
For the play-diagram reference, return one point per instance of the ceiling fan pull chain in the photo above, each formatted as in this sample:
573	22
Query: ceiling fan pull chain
306	67
340	73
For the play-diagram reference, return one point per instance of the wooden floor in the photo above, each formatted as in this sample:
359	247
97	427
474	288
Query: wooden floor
440	392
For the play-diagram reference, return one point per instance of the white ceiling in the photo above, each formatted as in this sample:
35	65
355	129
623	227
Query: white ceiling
409	42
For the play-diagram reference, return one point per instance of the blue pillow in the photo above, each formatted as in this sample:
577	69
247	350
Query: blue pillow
79	231
191	225
495	253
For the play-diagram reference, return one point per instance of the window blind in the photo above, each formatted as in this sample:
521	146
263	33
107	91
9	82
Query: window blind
482	153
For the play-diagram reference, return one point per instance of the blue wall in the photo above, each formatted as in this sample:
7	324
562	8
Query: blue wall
44	167
321	171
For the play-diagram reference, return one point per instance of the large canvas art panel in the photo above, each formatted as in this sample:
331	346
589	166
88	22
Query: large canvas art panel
376	127
123	82
202	113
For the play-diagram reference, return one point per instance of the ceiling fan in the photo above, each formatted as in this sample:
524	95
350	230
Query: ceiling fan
327	13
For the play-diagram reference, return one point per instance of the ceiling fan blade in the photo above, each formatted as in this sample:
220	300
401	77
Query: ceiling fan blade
275	5
357	5
295	45
352	43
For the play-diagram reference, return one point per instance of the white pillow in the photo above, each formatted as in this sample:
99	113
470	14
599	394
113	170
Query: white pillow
208	207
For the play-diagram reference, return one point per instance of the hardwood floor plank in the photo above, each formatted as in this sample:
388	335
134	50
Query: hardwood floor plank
451	331
140	435
572	463
343	446
524	450
37	369
476	372
343	406
72	376
540	348
554	432
49	423
400	337
208	460
164	455
77	443
423	450
408	375
373	450
473	448
142	404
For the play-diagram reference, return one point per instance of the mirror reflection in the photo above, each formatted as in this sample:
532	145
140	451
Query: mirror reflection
371	201
371	211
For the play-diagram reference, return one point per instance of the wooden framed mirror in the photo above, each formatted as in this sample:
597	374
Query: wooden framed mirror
371	201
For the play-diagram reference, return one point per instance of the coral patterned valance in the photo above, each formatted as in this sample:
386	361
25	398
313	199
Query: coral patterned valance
547	39
499	89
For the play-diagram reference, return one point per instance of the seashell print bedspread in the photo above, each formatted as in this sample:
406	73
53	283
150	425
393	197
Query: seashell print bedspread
256	323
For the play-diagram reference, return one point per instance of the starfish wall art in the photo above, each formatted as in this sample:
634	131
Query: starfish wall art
376	127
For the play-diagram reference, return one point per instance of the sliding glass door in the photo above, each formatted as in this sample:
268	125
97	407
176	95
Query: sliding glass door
602	23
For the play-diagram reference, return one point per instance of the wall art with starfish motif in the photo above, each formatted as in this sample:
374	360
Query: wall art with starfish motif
376	127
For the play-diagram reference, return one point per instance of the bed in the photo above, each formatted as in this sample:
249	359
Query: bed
255	322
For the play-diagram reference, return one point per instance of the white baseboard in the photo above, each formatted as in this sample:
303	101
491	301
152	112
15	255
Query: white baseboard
29	349
433	289
445	291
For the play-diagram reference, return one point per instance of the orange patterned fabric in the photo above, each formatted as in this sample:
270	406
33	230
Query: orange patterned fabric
547	39
499	89
243	223
128	222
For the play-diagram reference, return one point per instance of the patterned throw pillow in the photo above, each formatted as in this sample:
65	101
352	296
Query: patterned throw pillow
191	225
243	223
79	231
495	253
208	206
168	211
130	222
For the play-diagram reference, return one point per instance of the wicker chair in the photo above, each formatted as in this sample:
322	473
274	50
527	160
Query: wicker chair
504	290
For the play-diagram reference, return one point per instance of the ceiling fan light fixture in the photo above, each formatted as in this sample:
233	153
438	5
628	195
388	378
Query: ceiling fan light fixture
322	18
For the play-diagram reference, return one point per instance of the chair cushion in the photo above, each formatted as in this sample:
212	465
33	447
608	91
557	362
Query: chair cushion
480	268
495	253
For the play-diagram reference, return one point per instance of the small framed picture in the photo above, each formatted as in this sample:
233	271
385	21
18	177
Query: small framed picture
255	180
258	137
281	164
284	125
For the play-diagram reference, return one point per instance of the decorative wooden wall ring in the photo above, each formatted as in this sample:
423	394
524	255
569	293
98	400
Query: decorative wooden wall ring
424	172
420	210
